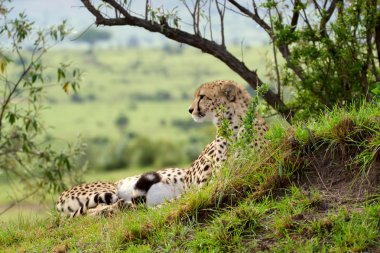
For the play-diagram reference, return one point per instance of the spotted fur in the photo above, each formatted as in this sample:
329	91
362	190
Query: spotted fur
155	188
80	198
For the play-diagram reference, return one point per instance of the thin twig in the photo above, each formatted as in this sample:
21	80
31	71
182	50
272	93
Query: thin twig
221	11
275	59
296	14
242	50
209	14
8	99
14	203
80	35
18	53
146	9
254	16
326	17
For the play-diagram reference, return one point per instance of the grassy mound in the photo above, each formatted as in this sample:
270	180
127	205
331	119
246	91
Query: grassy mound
314	188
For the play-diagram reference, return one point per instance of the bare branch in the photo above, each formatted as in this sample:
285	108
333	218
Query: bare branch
275	59
193	16
296	14
92	9
278	14
254	16
318	7
326	17
146	9
377	37
255	7
221	11
196	18
284	48
306	20
324	4
17	201
117	6
197	12
209	14
370	5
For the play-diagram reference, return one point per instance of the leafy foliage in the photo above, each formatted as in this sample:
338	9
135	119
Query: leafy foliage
335	60
24	156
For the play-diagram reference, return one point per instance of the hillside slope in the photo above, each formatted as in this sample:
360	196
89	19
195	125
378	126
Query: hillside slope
314	189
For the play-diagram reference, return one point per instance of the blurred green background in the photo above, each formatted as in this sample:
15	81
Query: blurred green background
132	107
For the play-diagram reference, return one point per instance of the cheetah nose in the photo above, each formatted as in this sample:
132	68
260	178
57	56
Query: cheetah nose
191	110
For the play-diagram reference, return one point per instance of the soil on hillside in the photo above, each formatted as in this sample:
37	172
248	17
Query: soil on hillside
338	178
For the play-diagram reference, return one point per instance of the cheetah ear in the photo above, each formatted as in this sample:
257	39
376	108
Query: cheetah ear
229	90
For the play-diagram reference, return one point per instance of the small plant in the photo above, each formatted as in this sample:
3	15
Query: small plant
249	132
224	129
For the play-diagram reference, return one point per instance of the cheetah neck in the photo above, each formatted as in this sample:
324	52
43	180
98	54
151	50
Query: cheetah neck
215	153
234	113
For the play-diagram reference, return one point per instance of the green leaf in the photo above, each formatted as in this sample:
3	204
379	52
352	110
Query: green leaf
60	74
3	65
34	77
12	117
376	90
27	125
35	125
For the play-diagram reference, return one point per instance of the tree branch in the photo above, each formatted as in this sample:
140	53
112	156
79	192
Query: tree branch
283	48
205	45
275	59
317	7
17	201
10	95
196	19
146	9
254	16
377	37
325	18
221	11
210	23
296	14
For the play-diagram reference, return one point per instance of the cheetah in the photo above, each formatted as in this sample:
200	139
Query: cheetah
154	188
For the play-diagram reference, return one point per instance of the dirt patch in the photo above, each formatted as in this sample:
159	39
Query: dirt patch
337	177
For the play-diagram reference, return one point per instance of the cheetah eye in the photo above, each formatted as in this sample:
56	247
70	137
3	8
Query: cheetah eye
201	96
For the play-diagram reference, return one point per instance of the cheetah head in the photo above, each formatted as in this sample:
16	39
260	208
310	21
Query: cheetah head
209	97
